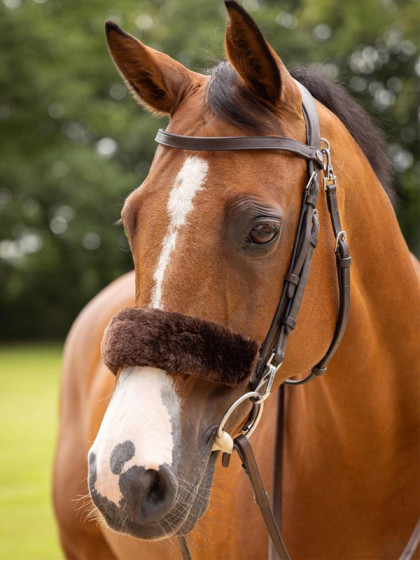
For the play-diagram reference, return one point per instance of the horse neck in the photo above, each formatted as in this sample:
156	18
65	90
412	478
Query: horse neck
369	393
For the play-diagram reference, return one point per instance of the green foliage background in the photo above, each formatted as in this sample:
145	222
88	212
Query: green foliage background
73	144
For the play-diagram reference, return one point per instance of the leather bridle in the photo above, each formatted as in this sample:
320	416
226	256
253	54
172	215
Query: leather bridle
317	153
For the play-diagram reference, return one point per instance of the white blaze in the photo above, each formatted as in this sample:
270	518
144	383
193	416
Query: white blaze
144	409
188	182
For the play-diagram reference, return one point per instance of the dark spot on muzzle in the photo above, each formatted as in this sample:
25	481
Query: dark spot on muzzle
121	454
108	509
147	494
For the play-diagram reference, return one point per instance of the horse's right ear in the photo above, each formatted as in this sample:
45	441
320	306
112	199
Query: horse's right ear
256	62
155	79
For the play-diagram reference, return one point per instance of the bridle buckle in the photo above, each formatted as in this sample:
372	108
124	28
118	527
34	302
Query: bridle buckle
223	441
340	236
267	380
330	180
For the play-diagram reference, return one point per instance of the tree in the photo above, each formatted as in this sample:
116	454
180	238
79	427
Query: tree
74	144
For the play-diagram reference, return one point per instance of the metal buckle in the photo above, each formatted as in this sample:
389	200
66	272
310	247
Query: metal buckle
254	419
223	441
329	176
244	397
311	178
267	380
329	182
340	236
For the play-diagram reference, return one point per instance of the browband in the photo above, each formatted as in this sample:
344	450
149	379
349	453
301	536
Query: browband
227	143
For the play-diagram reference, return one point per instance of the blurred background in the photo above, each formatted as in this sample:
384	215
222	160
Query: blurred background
73	144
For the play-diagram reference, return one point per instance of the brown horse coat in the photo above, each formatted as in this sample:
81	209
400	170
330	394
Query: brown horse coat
351	451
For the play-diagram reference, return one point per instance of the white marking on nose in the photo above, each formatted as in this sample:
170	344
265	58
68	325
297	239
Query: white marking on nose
188	182
144	409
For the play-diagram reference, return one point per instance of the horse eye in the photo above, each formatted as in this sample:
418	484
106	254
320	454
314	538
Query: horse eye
263	233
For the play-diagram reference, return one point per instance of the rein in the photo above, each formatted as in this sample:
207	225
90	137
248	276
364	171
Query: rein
317	152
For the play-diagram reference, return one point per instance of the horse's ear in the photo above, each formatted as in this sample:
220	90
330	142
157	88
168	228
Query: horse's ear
253	58
155	79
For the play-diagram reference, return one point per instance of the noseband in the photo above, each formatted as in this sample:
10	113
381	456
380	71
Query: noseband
178	343
271	354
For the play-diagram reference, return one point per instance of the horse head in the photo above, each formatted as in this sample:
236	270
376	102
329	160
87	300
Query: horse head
211	236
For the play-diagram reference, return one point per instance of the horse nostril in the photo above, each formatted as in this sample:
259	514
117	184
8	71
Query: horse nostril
156	491
148	494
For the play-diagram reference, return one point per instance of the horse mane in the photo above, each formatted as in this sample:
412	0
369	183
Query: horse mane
230	101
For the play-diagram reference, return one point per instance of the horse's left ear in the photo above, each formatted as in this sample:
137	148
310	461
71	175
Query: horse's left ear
254	59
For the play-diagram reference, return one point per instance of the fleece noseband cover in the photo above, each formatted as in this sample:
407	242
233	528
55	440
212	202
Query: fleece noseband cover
178	344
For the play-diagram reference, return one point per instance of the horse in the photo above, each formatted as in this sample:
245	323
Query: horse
211	234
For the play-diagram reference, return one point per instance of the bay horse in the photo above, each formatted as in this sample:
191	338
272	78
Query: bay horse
211	235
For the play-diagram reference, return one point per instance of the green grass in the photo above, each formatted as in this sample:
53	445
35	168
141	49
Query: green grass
29	376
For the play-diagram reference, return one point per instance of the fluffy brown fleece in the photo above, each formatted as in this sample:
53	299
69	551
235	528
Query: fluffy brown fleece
178	344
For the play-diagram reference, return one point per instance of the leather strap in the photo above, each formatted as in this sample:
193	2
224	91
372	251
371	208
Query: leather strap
277	548
228	143
277	502
284	321
244	449
249	464
285	318
296	279
412	543
185	550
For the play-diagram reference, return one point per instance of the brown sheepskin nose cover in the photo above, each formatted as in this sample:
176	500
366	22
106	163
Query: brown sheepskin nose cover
178	344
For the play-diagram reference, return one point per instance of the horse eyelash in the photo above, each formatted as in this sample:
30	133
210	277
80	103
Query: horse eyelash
119	222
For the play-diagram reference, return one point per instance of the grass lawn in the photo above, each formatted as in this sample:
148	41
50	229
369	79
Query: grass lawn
29	376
